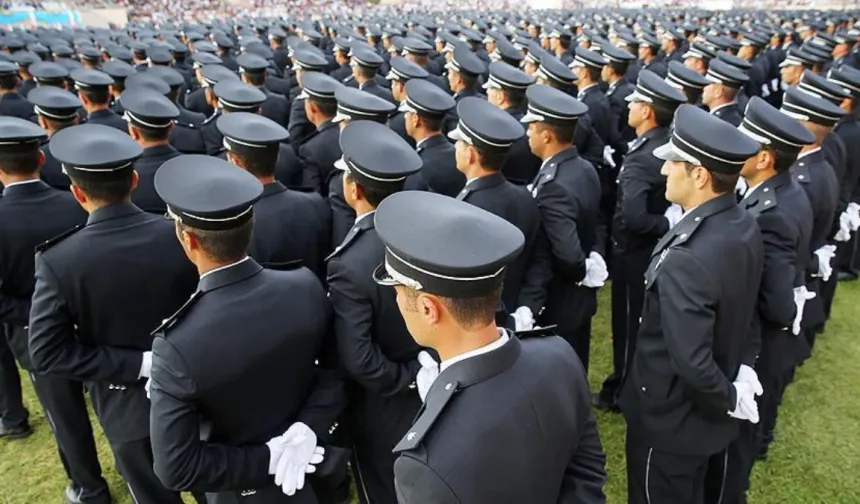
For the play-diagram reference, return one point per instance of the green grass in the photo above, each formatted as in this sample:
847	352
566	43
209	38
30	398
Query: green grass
815	459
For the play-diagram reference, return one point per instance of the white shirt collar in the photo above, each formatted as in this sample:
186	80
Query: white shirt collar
586	88
240	261
750	190
362	216
804	154
724	105
503	338
686	213
13	184
424	141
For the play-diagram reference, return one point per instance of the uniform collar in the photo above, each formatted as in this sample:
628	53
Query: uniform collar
586	89
724	105
230	274
113	211
772	184
326	125
430	141
360	221
485	182
25	187
561	157
808	153
158	150
499	343
103	112
273	188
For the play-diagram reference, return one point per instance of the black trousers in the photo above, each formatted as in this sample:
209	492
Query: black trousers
580	339
66	410
659	477
134	462
628	296
13	414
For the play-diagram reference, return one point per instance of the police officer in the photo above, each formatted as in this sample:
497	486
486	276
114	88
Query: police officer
487	134
720	94
32	212
195	100
93	90
480	361
230	95
402	70
12	103
47	73
319	151
305	61
639	220
672	41
698	57
695	334
373	343
613	74
150	117
567	190
464	70
649	55
56	109
253	71
340	52
365	65
291	226
212	76
227	437
424	109
785	218
130	261
744	66
586	66
686	80
185	135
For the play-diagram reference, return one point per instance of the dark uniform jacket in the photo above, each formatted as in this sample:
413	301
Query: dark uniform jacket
511	425
276	107
656	66
15	105
108	117
633	70
186	136
144	195
599	111
299	127
30	214
848	130
52	170
439	172
587	142
26	86
281	59
342	72
290	227
700	296
195	101
318	154
288	169
397	124
836	153
638	222
377	352
567	191
212	137
376	89
451	118
729	113
621	133
521	165
99	293
231	370
527	277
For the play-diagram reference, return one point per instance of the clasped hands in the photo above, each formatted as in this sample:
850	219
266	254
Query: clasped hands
747	386
293	455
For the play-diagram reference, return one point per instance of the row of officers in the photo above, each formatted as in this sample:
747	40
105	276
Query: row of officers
311	302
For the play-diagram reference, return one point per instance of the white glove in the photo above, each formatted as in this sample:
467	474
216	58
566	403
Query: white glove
801	296
673	214
524	319
427	374
844	233
853	216
748	375
145	365
607	155
741	187
300	454
825	254
276	447
148	386
746	407
596	272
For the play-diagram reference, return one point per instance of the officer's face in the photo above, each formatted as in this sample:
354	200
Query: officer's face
453	79
490	47
529	67
536	142
847	105
746	52
758	162
495	96
634	114
461	155
791	74
545	43
643	52
679	184
397	90
708	94
605	73
693	64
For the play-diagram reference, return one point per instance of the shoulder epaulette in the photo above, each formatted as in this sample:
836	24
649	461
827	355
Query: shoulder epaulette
57	239
173	319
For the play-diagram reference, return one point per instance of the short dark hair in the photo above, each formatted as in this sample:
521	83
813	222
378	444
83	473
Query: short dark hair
173	94
227	108
783	158
19	159
99	96
152	134
373	195
516	97
223	245
119	84
58	124
256	78
327	107
721	183
492	158
619	68
469	80
593	73
563	133
663	117
474	312
366	73
259	162
106	191
432	122
9	82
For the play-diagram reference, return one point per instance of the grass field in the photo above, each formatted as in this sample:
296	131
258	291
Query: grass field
815	460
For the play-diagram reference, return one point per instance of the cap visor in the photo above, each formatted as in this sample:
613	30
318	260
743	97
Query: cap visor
530	118
636	96
301	96
577	64
690	54
787	62
340	118
381	277
340	164
491	85
668	152
456	134
391	76
405	107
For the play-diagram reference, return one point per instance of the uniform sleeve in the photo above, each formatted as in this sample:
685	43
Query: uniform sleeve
417	483
533	291
55	348
182	460
13	310
560	213
776	295
688	301
635	189
362	359
310	170
589	144
585	475
297	120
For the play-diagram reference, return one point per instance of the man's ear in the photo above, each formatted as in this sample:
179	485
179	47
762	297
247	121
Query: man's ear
430	308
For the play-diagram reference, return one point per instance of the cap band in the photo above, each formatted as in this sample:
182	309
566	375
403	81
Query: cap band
130	117
39	110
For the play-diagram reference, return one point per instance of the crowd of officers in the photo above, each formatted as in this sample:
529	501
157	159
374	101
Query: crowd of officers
287	257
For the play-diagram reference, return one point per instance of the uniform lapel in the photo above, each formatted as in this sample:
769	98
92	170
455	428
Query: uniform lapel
482	183
549	168
354	232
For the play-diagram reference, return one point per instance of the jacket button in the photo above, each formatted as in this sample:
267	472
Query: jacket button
644	389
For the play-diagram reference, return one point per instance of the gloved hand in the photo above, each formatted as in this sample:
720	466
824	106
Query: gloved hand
524	319
801	296
853	216
741	187
844	232
607	155
427	374
748	375
746	407
596	272
300	454
276	447
673	214
147	386
825	254
145	365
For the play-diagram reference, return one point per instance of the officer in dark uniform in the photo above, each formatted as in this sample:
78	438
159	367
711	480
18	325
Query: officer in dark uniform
672	41
699	56
639	220
56	109
319	151
613	73
93	90
150	119
365	65
752	50
24	59
195	100
418	51
341	58
277	39
586	66
228	95
720	95
628	42
785	218
487	134
401	71
291	226
687	81
818	179
695	333
305	61
424	109
185	135
225	412
130	261
510	458
11	103
374	346
744	66
225	49
253	72
31	212
463	72
567	190
649	55
47	73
